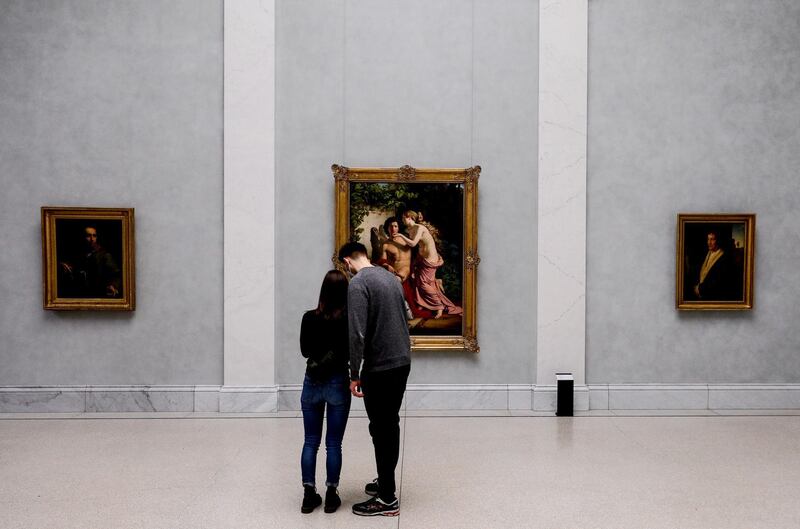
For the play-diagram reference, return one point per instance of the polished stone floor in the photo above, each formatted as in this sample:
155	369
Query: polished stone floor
669	471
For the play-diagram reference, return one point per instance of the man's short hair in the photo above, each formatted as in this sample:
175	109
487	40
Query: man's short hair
350	249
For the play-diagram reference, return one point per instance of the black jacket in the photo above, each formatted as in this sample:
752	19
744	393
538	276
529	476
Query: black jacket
325	344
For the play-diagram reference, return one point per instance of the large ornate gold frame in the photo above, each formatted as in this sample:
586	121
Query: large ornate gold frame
468	341
746	303
50	264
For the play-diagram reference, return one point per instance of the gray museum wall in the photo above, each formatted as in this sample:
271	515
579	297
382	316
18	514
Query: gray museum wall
446	83
117	104
693	107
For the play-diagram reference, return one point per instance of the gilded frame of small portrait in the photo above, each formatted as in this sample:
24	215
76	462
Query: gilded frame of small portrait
88	258
386	209
715	261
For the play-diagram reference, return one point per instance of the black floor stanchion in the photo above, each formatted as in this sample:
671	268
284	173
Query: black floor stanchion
565	383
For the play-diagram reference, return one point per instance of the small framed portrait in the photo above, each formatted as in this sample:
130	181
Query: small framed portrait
715	261
420	225
88	258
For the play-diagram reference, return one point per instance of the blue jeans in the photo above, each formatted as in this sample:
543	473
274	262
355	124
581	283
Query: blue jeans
335	392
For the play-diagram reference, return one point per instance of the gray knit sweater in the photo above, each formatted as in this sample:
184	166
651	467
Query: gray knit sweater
377	322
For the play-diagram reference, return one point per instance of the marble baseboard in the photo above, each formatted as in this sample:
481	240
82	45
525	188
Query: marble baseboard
136	399
419	397
240	399
206	399
657	397
598	397
140	399
456	397
289	397
754	397
694	396
43	400
520	397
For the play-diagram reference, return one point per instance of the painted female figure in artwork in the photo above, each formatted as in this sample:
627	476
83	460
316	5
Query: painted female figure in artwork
428	291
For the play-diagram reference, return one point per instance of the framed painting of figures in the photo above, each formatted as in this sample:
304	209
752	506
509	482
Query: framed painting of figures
421	225
88	258
715	261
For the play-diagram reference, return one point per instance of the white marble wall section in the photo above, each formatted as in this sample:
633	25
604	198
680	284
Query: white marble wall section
444	83
693	107
117	104
249	197
562	190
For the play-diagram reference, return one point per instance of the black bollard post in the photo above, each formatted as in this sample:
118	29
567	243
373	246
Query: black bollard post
565	383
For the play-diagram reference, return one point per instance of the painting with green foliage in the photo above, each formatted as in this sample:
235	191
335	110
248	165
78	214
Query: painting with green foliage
430	268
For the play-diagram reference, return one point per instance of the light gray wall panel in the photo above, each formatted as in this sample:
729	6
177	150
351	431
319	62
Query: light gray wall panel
114	103
506	137
693	107
309	138
408	96
447	83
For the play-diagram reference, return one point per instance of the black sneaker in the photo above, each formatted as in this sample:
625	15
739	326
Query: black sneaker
377	507
372	488
332	500
311	500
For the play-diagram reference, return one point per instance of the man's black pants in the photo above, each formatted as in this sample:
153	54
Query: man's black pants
383	395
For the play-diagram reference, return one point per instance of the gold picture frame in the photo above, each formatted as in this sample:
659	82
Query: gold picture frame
715	261
88	258
406	186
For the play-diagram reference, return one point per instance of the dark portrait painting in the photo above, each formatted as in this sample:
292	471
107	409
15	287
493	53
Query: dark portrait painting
715	261
88	255
420	225
88	258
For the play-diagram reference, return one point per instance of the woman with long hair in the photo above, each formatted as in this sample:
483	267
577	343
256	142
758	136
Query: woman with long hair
324	342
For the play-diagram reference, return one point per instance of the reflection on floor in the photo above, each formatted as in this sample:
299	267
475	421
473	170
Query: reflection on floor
455	472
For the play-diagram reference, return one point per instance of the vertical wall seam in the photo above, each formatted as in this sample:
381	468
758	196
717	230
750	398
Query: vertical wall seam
344	161
224	238
472	92
275	218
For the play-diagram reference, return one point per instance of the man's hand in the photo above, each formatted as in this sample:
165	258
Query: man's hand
355	388
111	291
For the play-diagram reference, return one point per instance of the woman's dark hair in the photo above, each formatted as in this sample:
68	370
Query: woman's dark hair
333	296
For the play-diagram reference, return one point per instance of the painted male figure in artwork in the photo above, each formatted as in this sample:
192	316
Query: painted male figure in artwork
92	272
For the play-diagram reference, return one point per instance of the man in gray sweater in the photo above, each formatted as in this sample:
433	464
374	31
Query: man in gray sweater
378	337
